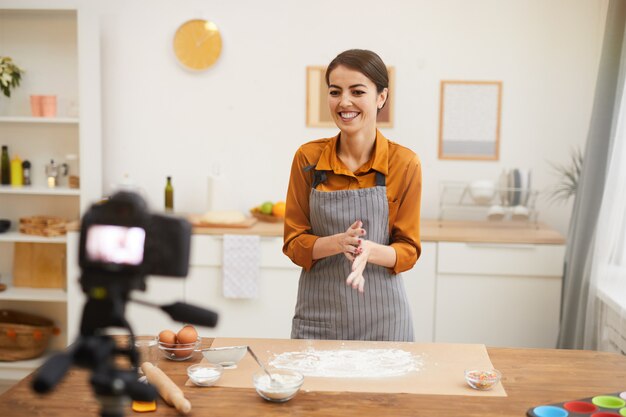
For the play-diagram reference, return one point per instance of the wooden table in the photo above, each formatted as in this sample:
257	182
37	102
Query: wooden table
531	377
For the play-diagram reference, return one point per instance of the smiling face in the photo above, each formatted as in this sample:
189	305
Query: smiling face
353	101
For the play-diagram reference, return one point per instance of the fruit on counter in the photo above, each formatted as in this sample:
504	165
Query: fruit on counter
279	209
270	208
266	208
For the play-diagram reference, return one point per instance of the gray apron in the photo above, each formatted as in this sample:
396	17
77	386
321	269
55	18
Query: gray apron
329	309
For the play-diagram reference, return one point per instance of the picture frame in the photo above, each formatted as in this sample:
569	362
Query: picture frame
317	112
469	120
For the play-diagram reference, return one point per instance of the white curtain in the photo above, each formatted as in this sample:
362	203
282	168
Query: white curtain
608	273
581	274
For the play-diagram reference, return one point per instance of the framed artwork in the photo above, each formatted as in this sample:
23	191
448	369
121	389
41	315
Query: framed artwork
469	120
317	112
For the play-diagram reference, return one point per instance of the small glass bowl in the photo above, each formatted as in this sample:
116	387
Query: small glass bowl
227	356
482	379
205	374
179	351
283	387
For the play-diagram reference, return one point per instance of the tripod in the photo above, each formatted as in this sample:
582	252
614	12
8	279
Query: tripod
113	386
120	244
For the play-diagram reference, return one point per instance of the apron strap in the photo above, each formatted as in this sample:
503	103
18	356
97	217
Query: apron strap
380	179
320	177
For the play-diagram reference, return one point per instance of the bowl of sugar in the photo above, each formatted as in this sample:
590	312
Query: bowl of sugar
205	374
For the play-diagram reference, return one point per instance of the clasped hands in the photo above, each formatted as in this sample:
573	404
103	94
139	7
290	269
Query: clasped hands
357	250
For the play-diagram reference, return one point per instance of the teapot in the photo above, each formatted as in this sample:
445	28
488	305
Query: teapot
54	172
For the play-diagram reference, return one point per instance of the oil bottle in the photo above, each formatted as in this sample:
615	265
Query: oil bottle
169	195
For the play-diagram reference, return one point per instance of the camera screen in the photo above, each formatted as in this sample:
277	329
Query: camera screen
115	244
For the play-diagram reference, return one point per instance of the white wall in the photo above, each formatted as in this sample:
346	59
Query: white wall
247	113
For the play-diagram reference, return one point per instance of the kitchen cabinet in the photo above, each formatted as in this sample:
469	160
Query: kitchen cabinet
611	315
58	47
469	290
420	283
498	294
268	315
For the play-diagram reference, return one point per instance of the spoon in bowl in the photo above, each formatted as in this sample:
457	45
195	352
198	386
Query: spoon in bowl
261	364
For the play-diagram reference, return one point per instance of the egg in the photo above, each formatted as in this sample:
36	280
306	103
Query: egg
187	334
182	352
167	338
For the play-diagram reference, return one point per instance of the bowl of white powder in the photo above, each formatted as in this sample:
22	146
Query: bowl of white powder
205	374
282	386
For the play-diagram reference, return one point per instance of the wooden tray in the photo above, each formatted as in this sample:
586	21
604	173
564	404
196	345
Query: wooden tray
43	226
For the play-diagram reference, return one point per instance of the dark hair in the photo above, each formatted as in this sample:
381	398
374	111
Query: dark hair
366	62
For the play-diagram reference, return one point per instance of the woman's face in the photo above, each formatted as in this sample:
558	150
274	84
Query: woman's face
353	100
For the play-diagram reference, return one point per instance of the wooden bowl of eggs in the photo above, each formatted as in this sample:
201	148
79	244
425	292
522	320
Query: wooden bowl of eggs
179	346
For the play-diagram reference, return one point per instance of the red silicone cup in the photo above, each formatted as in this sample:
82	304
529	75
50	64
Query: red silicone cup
580	407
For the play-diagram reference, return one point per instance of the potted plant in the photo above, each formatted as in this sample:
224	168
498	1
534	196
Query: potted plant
10	75
569	175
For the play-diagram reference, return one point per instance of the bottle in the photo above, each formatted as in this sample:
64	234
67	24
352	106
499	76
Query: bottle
26	172
169	195
17	175
5	167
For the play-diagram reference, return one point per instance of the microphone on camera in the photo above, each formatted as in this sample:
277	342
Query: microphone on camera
52	371
186	313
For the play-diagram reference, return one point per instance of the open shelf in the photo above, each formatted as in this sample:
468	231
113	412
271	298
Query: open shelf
27	363
40	120
22	237
59	47
16	370
39	190
33	294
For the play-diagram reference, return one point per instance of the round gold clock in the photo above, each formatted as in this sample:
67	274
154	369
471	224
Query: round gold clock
197	44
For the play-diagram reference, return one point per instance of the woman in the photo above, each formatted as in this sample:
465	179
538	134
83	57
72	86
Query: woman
352	216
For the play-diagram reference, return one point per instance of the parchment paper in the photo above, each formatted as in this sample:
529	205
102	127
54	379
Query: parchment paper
442	372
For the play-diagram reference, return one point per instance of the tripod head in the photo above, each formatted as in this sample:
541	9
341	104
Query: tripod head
120	244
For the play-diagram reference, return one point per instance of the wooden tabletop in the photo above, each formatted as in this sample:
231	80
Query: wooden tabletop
531	377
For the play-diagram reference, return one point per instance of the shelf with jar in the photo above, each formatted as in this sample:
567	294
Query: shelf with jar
52	118
488	200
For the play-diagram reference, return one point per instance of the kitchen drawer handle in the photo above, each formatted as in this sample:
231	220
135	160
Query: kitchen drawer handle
501	246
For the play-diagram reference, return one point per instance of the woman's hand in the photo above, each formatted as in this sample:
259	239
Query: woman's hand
356	278
349	241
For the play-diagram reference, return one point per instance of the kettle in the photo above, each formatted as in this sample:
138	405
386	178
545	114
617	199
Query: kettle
53	173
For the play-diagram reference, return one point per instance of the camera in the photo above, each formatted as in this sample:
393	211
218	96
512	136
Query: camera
121	243
120	239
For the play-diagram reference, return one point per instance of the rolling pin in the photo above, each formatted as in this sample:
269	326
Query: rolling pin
167	389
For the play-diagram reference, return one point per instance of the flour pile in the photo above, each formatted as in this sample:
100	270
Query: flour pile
366	363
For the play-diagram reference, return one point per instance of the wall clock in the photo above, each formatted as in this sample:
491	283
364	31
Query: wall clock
197	44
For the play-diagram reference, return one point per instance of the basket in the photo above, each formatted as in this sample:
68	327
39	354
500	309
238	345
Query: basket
22	335
265	217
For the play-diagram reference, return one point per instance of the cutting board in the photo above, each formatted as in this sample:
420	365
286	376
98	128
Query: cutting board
196	221
39	265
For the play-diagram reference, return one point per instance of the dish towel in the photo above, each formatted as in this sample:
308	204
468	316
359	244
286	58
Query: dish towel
241	265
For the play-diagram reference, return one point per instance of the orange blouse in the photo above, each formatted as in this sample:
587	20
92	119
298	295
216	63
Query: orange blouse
402	169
